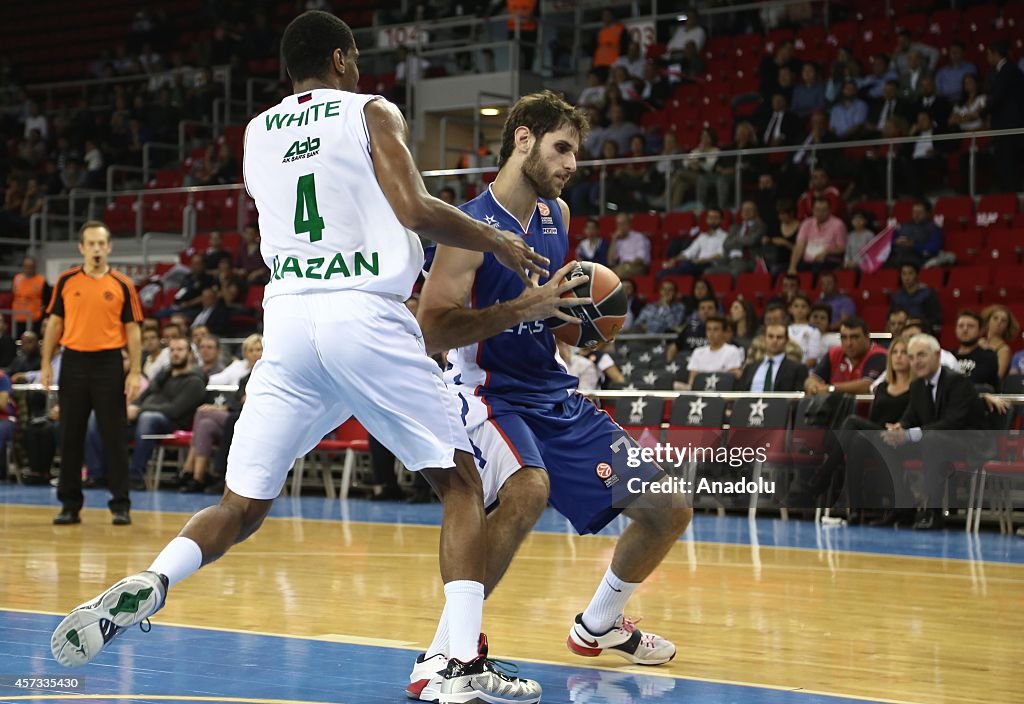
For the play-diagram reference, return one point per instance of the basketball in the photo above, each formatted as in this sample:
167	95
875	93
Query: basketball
602	319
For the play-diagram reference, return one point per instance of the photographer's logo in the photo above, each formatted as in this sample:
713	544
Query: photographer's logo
606	474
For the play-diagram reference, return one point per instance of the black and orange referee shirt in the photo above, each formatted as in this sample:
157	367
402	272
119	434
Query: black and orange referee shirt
95	310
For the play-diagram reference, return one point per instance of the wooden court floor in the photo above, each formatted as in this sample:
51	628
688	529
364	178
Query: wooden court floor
872	626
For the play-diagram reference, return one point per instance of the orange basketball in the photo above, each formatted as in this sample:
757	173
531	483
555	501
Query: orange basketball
602	319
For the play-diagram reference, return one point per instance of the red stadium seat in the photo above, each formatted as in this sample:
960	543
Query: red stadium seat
647	223
606	224
679	223
878	209
997	209
965	245
875	316
952	212
902	209
720	283
882	281
1004	247
969	277
846	279
933	277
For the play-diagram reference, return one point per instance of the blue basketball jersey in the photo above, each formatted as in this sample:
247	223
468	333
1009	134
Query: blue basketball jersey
519	367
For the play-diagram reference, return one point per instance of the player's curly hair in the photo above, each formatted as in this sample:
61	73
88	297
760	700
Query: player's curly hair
541	113
309	43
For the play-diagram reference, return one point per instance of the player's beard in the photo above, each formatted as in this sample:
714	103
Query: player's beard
543	182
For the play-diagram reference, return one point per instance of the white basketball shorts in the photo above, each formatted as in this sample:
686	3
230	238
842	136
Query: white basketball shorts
328	357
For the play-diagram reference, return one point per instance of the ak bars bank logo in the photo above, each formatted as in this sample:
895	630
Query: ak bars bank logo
302	149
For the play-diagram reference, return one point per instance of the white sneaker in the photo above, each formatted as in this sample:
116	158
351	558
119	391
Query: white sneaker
425	680
89	628
480	682
623	639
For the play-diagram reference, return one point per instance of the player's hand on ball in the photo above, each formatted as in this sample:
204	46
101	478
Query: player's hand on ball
541	302
515	254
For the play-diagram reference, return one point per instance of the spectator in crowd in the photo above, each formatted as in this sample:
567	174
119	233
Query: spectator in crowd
213	313
664	314
770	65
802	332
634	303
929	101
858	236
848	115
850	368
949	80
700	161
743	319
631	186
808	156
1005	110
593	247
717	355
630	251
151	349
778	244
940	401
821	318
889	106
915	326
775	314
916	241
252	351
775	372
924	160
809	93
705	250
723	176
662	171
36	121
844	67
917	71
95	174
785	83
612	40
978	364
688	32
691	64
766	197
619	129
819	186
969	113
1000	329
594	94
1017	363
699	291
743	245
29	357
249	264
8	348
609	374
30	292
210	418
872	85
693	334
632	61
656	89
780	127
215	253
188	297
579	365
629	87
902	55
209	356
917	299
894	324
821	242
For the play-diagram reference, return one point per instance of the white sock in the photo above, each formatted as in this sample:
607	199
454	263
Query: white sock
608	603
178	560
465	613
440	642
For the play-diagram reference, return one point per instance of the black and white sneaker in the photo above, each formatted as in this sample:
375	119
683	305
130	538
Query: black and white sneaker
87	630
480	682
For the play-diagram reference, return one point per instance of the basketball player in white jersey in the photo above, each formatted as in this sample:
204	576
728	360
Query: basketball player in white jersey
338	193
540	441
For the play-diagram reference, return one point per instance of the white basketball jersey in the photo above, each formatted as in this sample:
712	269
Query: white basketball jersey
324	221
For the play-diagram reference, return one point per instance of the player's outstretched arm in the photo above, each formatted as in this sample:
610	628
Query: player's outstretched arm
446	321
431	217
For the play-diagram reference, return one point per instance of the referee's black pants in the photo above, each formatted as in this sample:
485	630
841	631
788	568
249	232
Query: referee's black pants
92	381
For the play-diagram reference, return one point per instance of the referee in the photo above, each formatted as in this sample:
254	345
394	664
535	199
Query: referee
94	312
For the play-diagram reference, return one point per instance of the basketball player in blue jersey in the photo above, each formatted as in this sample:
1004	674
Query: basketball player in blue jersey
538	439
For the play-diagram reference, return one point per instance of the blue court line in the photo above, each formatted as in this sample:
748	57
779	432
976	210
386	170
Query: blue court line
951	544
211	665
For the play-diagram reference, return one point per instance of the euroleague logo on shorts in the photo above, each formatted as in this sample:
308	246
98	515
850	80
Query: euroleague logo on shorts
606	474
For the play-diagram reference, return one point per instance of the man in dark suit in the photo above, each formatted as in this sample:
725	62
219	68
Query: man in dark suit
777	126
943	418
929	101
1005	108
889	106
775	372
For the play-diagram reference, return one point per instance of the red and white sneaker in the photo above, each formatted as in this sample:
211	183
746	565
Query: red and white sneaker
425	680
623	639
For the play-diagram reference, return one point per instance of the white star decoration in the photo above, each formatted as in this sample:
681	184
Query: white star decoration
650	378
697	408
711	383
672	368
636	408
757	409
660	349
491	220
627	369
645	357
629	387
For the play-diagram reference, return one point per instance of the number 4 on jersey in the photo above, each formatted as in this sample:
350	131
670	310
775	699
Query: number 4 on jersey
305	204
